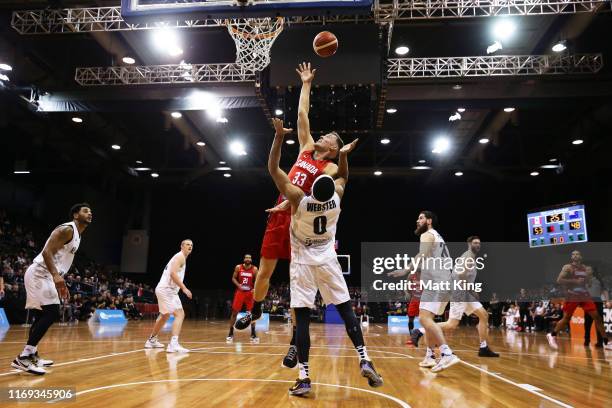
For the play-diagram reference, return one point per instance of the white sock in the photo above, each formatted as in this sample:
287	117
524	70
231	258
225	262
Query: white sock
363	353
483	344
422	330
174	340
430	353
304	371
28	350
445	350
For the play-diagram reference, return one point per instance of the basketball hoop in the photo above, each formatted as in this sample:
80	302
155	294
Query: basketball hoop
254	38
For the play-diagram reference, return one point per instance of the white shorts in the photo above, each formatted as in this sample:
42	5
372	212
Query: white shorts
436	308
327	278
168	300
457	309
40	289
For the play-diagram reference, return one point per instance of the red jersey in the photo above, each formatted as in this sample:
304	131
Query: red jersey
305	171
578	291
246	278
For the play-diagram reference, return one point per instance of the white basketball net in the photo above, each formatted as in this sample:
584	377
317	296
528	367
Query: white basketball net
254	38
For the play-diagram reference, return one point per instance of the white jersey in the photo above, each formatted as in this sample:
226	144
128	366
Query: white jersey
166	281
313	231
64	257
438	266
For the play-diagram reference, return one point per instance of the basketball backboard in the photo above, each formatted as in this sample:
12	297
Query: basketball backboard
165	9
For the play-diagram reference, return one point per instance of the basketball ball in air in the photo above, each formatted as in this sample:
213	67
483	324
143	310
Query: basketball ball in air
325	44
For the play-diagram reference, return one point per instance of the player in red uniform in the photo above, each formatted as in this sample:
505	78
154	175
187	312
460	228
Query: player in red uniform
314	159
575	276
244	277
415	301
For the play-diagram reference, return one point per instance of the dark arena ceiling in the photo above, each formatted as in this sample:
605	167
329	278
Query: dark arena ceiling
398	119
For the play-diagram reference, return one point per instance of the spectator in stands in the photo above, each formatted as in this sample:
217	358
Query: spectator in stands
553	315
540	312
130	310
524	305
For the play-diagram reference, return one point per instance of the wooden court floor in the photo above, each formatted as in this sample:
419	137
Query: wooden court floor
110	368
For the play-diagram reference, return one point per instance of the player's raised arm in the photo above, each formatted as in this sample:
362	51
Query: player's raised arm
291	192
304	136
343	171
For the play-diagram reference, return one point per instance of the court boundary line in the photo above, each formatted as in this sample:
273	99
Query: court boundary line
398	401
81	360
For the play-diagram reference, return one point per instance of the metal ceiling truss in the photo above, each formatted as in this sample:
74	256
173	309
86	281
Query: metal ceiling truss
77	20
491	66
397	10
163	74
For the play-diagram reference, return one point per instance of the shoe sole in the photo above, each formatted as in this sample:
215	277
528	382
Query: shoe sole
374	380
154	347
25	370
299	392
427	365
452	363
250	323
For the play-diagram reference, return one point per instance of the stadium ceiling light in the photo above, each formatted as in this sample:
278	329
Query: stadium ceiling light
4	78
552	160
116	147
577	142
21	172
154	175
201	144
6	67
76	119
237	148
458	173
457	87
138	161
278	112
509	109
496	46
460	110
142	169
391	110
222	120
484	140
176	115
223	168
559	47
166	40
128	60
378	173
441	145
227	175
221	162
503	29
550	166
421	168
402	50
455	116
385	141
534	173
422	161
290	141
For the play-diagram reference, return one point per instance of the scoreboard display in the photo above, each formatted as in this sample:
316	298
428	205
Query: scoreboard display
557	226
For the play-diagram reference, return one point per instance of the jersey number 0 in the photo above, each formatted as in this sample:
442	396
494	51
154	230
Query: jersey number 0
319	224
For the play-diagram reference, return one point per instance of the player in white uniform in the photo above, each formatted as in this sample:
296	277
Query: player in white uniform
44	279
433	253
314	263
168	299
465	302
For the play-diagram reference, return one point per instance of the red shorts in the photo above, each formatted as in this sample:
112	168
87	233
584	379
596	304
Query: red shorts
276	243
241	298
569	307
413	307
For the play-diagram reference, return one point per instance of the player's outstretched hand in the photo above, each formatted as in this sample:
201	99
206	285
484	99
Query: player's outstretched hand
306	74
187	293
281	207
398	273
278	127
346	149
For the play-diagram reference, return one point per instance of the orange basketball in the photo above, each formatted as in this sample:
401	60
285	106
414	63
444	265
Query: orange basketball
325	44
